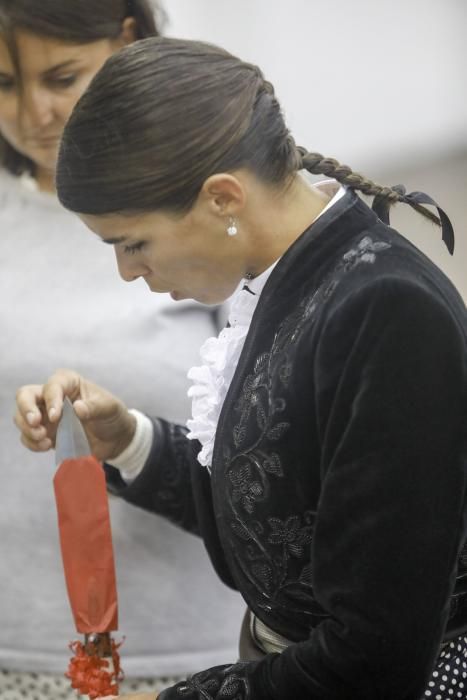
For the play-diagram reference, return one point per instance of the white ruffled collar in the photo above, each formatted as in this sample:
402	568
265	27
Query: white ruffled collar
220	355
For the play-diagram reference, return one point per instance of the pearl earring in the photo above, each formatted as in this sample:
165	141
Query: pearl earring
232	229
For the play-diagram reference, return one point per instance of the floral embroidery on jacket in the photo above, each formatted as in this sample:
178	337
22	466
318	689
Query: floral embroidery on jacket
274	552
290	535
226	684
245	488
365	252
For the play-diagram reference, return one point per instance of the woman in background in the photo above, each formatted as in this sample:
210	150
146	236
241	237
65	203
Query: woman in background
62	304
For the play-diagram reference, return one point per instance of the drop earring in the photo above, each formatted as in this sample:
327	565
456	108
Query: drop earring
232	229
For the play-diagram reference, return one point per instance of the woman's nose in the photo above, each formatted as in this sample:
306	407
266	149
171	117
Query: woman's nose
128	267
36	108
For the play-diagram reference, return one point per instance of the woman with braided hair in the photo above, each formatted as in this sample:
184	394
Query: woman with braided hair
325	462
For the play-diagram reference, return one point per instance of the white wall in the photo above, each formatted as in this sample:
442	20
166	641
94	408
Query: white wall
361	80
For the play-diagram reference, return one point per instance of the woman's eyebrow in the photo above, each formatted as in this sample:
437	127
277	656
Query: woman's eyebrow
50	71
61	66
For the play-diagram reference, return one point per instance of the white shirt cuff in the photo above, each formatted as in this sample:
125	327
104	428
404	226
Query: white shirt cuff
131	461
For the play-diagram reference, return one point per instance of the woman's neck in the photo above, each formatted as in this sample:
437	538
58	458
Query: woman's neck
280	220
45	180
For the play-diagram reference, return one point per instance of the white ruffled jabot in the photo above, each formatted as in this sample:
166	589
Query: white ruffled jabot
220	357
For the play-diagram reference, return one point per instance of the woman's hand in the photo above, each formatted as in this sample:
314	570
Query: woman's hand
108	425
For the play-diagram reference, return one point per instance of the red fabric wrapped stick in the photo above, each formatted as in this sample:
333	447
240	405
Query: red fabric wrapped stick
88	561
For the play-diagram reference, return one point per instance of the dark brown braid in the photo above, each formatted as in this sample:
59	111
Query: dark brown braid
317	164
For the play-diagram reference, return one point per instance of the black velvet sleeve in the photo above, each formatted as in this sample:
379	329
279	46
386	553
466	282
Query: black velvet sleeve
165	486
390	383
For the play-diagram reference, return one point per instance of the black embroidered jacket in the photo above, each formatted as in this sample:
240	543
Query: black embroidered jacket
337	502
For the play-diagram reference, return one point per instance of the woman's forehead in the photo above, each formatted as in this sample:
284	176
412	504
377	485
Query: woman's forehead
110	226
37	54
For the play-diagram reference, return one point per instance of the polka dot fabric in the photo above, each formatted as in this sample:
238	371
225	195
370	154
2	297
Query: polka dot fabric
449	678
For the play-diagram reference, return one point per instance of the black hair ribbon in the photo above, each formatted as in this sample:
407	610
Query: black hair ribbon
381	208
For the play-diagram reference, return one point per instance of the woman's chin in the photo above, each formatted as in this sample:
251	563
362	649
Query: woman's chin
44	157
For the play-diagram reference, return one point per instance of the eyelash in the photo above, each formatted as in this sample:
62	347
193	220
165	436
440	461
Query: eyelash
64	81
132	249
6	85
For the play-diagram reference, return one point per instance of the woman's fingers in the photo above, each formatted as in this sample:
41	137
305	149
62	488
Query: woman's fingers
40	402
39	407
37	446
108	424
25	427
30	420
64	382
29	402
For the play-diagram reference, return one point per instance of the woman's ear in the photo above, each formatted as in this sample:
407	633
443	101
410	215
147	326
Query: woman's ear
225	194
128	33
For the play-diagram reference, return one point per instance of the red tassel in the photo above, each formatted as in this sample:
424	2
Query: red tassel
92	675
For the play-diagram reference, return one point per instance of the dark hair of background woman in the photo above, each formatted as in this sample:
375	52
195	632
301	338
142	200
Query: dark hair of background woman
79	21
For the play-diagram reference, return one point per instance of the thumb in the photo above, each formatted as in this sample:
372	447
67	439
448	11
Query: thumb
97	403
83	410
95	407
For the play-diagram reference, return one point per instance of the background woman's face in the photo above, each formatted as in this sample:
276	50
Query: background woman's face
54	75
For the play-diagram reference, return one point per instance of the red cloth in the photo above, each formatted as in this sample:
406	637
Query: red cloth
86	543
